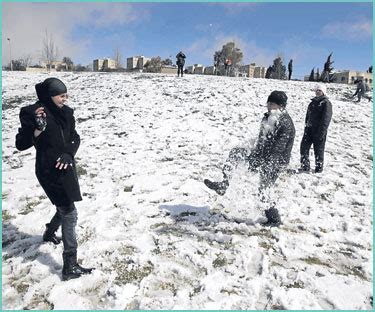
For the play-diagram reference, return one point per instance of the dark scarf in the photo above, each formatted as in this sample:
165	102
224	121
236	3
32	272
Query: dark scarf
45	90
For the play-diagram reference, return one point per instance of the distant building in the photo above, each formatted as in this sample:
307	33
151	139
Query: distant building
106	64
348	77
98	65
260	72
209	70
252	71
198	69
136	62
55	66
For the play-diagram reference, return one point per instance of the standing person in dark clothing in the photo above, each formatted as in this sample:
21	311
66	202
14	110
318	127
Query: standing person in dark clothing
290	69
180	63
271	154
362	89
318	118
49	126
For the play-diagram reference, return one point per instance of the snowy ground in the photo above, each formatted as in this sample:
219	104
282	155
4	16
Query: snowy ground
158	238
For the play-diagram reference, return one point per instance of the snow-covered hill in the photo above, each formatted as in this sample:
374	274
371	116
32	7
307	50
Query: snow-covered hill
157	236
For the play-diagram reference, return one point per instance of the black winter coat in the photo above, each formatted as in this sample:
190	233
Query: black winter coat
273	148
61	186
318	117
180	59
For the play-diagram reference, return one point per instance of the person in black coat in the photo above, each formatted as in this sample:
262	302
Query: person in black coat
49	126
180	63
290	69
271	154
318	118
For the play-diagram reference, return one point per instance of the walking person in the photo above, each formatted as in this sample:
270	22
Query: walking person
271	154
180	63
49	126
318	118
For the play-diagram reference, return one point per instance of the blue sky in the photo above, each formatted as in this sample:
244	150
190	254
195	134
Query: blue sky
306	32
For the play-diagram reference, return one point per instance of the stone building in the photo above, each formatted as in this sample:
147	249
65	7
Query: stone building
135	63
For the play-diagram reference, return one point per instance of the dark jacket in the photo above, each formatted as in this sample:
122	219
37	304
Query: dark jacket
61	186
318	117
273	148
362	88
180	59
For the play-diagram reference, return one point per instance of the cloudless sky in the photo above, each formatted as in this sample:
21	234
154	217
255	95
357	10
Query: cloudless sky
306	32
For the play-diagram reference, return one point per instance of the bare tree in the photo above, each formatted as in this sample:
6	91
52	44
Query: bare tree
118	58
50	50
26	60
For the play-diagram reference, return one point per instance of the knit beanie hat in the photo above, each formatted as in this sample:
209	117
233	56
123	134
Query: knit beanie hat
278	97
321	87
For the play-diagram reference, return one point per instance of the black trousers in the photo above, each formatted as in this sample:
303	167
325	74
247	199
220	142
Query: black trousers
66	216
318	145
180	69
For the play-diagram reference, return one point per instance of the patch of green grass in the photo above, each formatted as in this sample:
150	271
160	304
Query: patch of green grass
81	170
6	216
169	286
220	261
39	302
229	291
126	250
296	285
355	271
29	207
128	188
127	273
316	261
5	195
87	234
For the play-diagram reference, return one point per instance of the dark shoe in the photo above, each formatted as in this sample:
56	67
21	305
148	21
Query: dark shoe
71	269
219	187
273	217
49	236
318	169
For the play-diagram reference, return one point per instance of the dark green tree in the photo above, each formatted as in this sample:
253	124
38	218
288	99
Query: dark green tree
312	75
278	69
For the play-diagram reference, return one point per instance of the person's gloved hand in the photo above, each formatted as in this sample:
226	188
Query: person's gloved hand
40	119
64	161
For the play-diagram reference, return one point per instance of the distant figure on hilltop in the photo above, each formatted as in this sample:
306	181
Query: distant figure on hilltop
318	118
290	69
362	89
180	63
227	65
270	156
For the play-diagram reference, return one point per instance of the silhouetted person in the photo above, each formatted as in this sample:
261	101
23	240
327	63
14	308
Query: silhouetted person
180	63
290	69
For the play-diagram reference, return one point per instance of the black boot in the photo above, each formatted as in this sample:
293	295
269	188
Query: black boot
50	236
318	168
71	268
273	217
218	187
